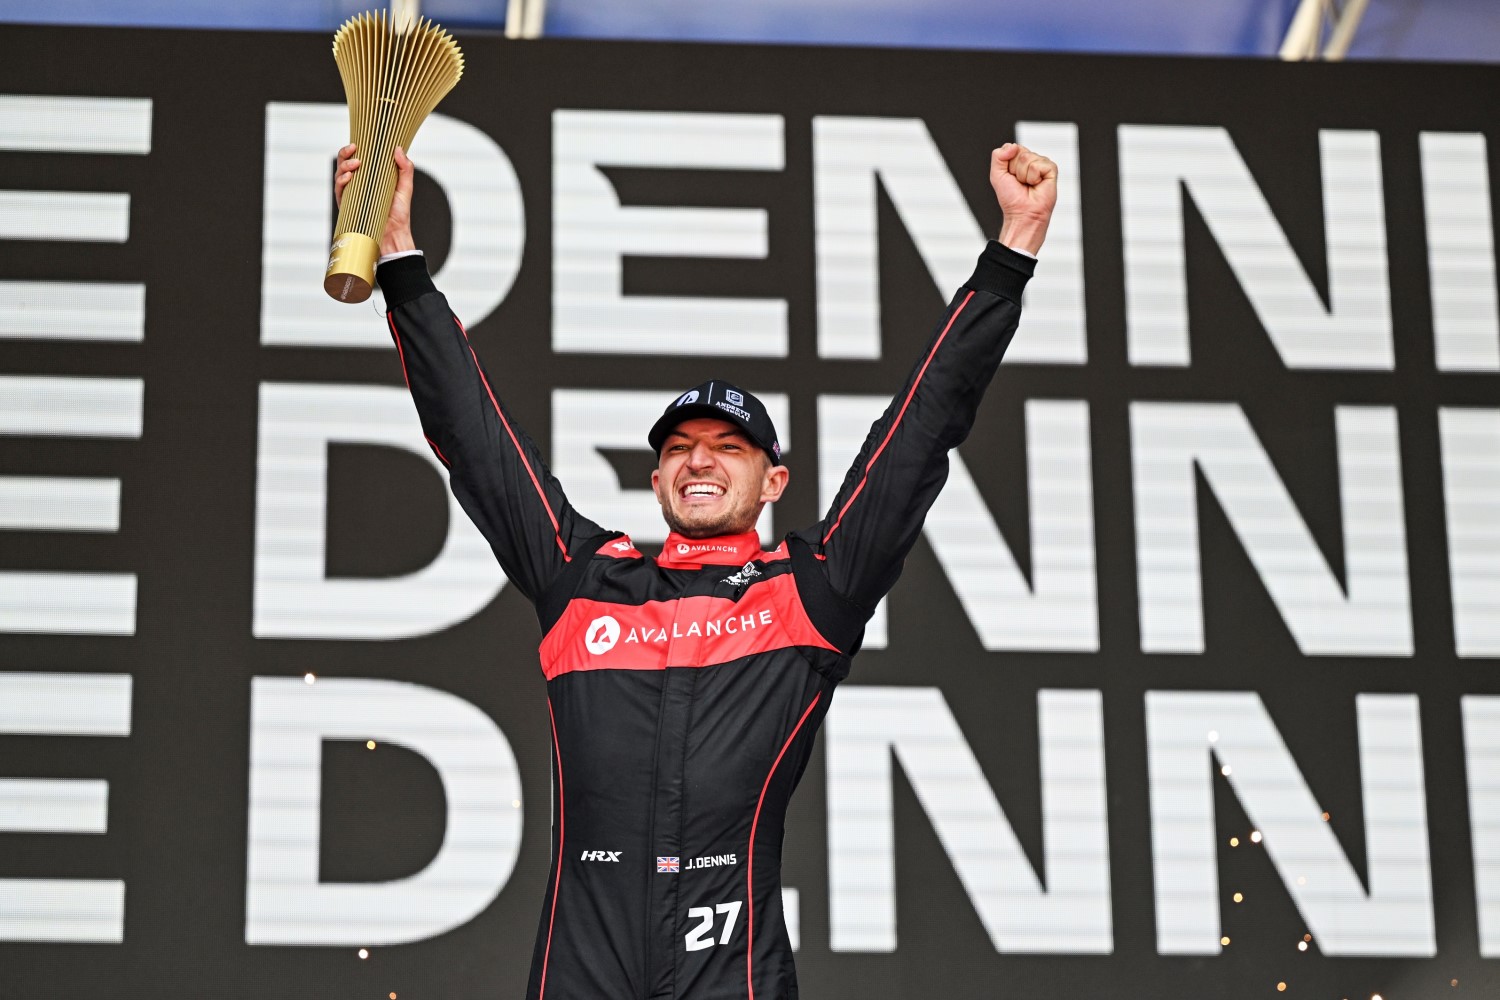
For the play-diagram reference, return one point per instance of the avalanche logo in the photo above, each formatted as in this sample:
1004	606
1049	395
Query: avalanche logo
691	396
602	634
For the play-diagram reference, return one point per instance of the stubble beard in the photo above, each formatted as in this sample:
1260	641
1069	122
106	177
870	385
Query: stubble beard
726	523
731	521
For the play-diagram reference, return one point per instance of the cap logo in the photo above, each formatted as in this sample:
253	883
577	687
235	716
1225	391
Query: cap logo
738	399
691	396
738	411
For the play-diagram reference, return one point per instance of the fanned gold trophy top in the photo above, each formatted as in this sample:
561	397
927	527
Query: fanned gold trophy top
394	75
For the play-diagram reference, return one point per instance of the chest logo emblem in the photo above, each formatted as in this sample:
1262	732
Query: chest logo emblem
743	576
602	634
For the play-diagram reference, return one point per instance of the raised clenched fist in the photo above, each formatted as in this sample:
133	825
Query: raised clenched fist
1025	184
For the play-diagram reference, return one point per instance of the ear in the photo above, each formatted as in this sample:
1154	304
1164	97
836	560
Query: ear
656	485
774	483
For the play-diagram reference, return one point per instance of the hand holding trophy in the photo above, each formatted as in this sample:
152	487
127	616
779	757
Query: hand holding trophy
394	75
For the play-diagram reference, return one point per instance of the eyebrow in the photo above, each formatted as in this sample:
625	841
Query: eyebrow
719	436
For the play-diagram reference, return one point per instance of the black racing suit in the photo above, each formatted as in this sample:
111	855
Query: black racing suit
685	691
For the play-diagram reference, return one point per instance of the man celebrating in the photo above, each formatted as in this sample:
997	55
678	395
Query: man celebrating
685	691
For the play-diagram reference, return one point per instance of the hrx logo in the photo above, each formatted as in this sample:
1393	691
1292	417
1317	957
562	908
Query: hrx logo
601	856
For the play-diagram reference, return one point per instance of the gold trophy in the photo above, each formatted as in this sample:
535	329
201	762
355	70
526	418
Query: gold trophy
394	75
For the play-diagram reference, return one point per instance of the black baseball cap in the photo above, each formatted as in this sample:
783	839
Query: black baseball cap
722	401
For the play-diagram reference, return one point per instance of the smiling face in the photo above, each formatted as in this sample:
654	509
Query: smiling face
711	479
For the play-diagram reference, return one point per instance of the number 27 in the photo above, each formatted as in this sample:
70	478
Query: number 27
705	917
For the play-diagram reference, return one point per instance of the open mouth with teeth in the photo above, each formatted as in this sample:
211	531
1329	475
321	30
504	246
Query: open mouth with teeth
700	492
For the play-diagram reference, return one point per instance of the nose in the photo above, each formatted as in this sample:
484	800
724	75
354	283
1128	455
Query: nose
701	457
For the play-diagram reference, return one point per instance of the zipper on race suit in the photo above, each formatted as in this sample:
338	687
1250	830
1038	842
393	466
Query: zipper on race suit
648	926
668	802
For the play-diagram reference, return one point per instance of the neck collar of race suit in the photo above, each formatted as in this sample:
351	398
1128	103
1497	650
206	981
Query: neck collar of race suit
722	550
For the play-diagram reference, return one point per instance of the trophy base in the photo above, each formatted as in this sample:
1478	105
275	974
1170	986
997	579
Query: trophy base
351	267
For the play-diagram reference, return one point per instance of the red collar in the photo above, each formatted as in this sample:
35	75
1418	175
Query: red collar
724	550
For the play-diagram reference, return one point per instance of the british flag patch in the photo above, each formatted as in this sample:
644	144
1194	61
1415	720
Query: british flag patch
668	865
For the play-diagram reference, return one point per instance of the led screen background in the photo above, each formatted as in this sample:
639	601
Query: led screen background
1218	556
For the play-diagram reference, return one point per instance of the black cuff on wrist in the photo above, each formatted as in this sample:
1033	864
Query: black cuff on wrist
404	279
1003	272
